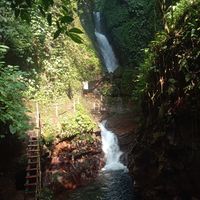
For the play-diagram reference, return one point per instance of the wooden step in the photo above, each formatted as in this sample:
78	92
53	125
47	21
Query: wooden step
31	169
33	145
32	156
33	150
33	136
31	176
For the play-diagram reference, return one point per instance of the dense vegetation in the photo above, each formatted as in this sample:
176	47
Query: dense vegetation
168	90
127	20
44	57
47	69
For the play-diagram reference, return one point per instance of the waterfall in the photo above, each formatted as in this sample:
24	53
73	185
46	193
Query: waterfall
106	50
111	149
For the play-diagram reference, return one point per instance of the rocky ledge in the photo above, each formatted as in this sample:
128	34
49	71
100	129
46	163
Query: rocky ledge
74	162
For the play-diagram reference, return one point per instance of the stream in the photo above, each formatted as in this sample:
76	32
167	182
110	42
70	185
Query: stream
110	185
113	181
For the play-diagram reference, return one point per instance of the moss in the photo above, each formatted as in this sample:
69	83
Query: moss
131	25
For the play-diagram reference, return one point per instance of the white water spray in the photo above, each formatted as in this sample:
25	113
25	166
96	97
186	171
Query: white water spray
111	149
106	50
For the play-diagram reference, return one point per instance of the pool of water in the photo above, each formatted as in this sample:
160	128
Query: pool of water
110	185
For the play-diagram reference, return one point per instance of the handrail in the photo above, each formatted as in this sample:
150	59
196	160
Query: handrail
38	132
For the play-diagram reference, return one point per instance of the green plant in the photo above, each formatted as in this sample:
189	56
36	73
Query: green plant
49	132
80	123
168	80
59	14
13	111
46	194
131	25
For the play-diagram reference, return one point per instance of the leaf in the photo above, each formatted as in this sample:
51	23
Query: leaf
76	38
46	4
76	30
66	19
193	33
29	3
171	80
3	48
171	90
57	33
17	13
42	11
58	25
49	19
51	2
12	129
65	9
25	15
2	136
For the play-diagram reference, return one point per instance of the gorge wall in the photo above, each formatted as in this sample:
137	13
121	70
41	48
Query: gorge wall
131	25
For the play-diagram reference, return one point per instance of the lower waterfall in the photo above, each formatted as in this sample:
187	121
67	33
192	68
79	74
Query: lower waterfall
111	150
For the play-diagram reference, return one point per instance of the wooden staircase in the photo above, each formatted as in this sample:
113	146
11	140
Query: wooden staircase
33	170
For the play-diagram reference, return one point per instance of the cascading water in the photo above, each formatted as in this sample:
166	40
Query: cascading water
111	149
106	50
113	183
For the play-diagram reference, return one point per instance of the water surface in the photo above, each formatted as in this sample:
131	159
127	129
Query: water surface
110	185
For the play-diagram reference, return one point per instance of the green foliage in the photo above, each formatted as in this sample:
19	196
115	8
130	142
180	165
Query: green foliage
78	124
168	87
18	37
62	64
127	82
54	68
106	89
49	132
62	19
140	83
13	111
176	12
62	75
131	25
168	81
46	194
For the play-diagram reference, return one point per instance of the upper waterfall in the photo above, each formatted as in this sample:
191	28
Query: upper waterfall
106	50
111	149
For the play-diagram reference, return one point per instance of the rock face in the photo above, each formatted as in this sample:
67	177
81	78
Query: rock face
124	126
74	163
131	25
164	168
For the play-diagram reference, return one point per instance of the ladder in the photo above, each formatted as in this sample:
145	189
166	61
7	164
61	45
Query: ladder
33	170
